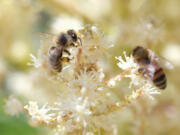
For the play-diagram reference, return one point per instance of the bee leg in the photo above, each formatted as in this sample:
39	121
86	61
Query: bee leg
65	59
67	52
72	44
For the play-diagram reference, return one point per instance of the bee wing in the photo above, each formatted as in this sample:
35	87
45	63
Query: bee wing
162	61
165	63
47	40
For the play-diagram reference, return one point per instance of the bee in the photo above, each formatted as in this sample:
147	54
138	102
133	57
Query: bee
63	42
150	66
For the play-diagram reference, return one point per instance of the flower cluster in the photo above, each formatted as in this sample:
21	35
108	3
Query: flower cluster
85	104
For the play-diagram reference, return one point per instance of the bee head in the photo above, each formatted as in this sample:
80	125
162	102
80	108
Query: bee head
73	35
141	55
139	52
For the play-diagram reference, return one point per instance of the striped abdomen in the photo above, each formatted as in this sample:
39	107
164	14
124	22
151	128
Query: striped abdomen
55	54
159	78
55	63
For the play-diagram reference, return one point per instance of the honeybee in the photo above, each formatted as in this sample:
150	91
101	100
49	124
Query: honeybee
62	42
150	66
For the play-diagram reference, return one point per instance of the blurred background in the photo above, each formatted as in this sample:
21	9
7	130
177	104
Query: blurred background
151	23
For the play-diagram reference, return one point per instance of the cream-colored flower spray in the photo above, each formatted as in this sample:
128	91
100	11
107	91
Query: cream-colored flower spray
84	105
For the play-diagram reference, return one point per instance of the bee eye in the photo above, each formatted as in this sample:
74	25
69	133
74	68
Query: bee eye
72	34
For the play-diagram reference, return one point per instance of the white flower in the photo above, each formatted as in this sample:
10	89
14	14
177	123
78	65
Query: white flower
39	115
130	70
126	64
35	61
149	90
